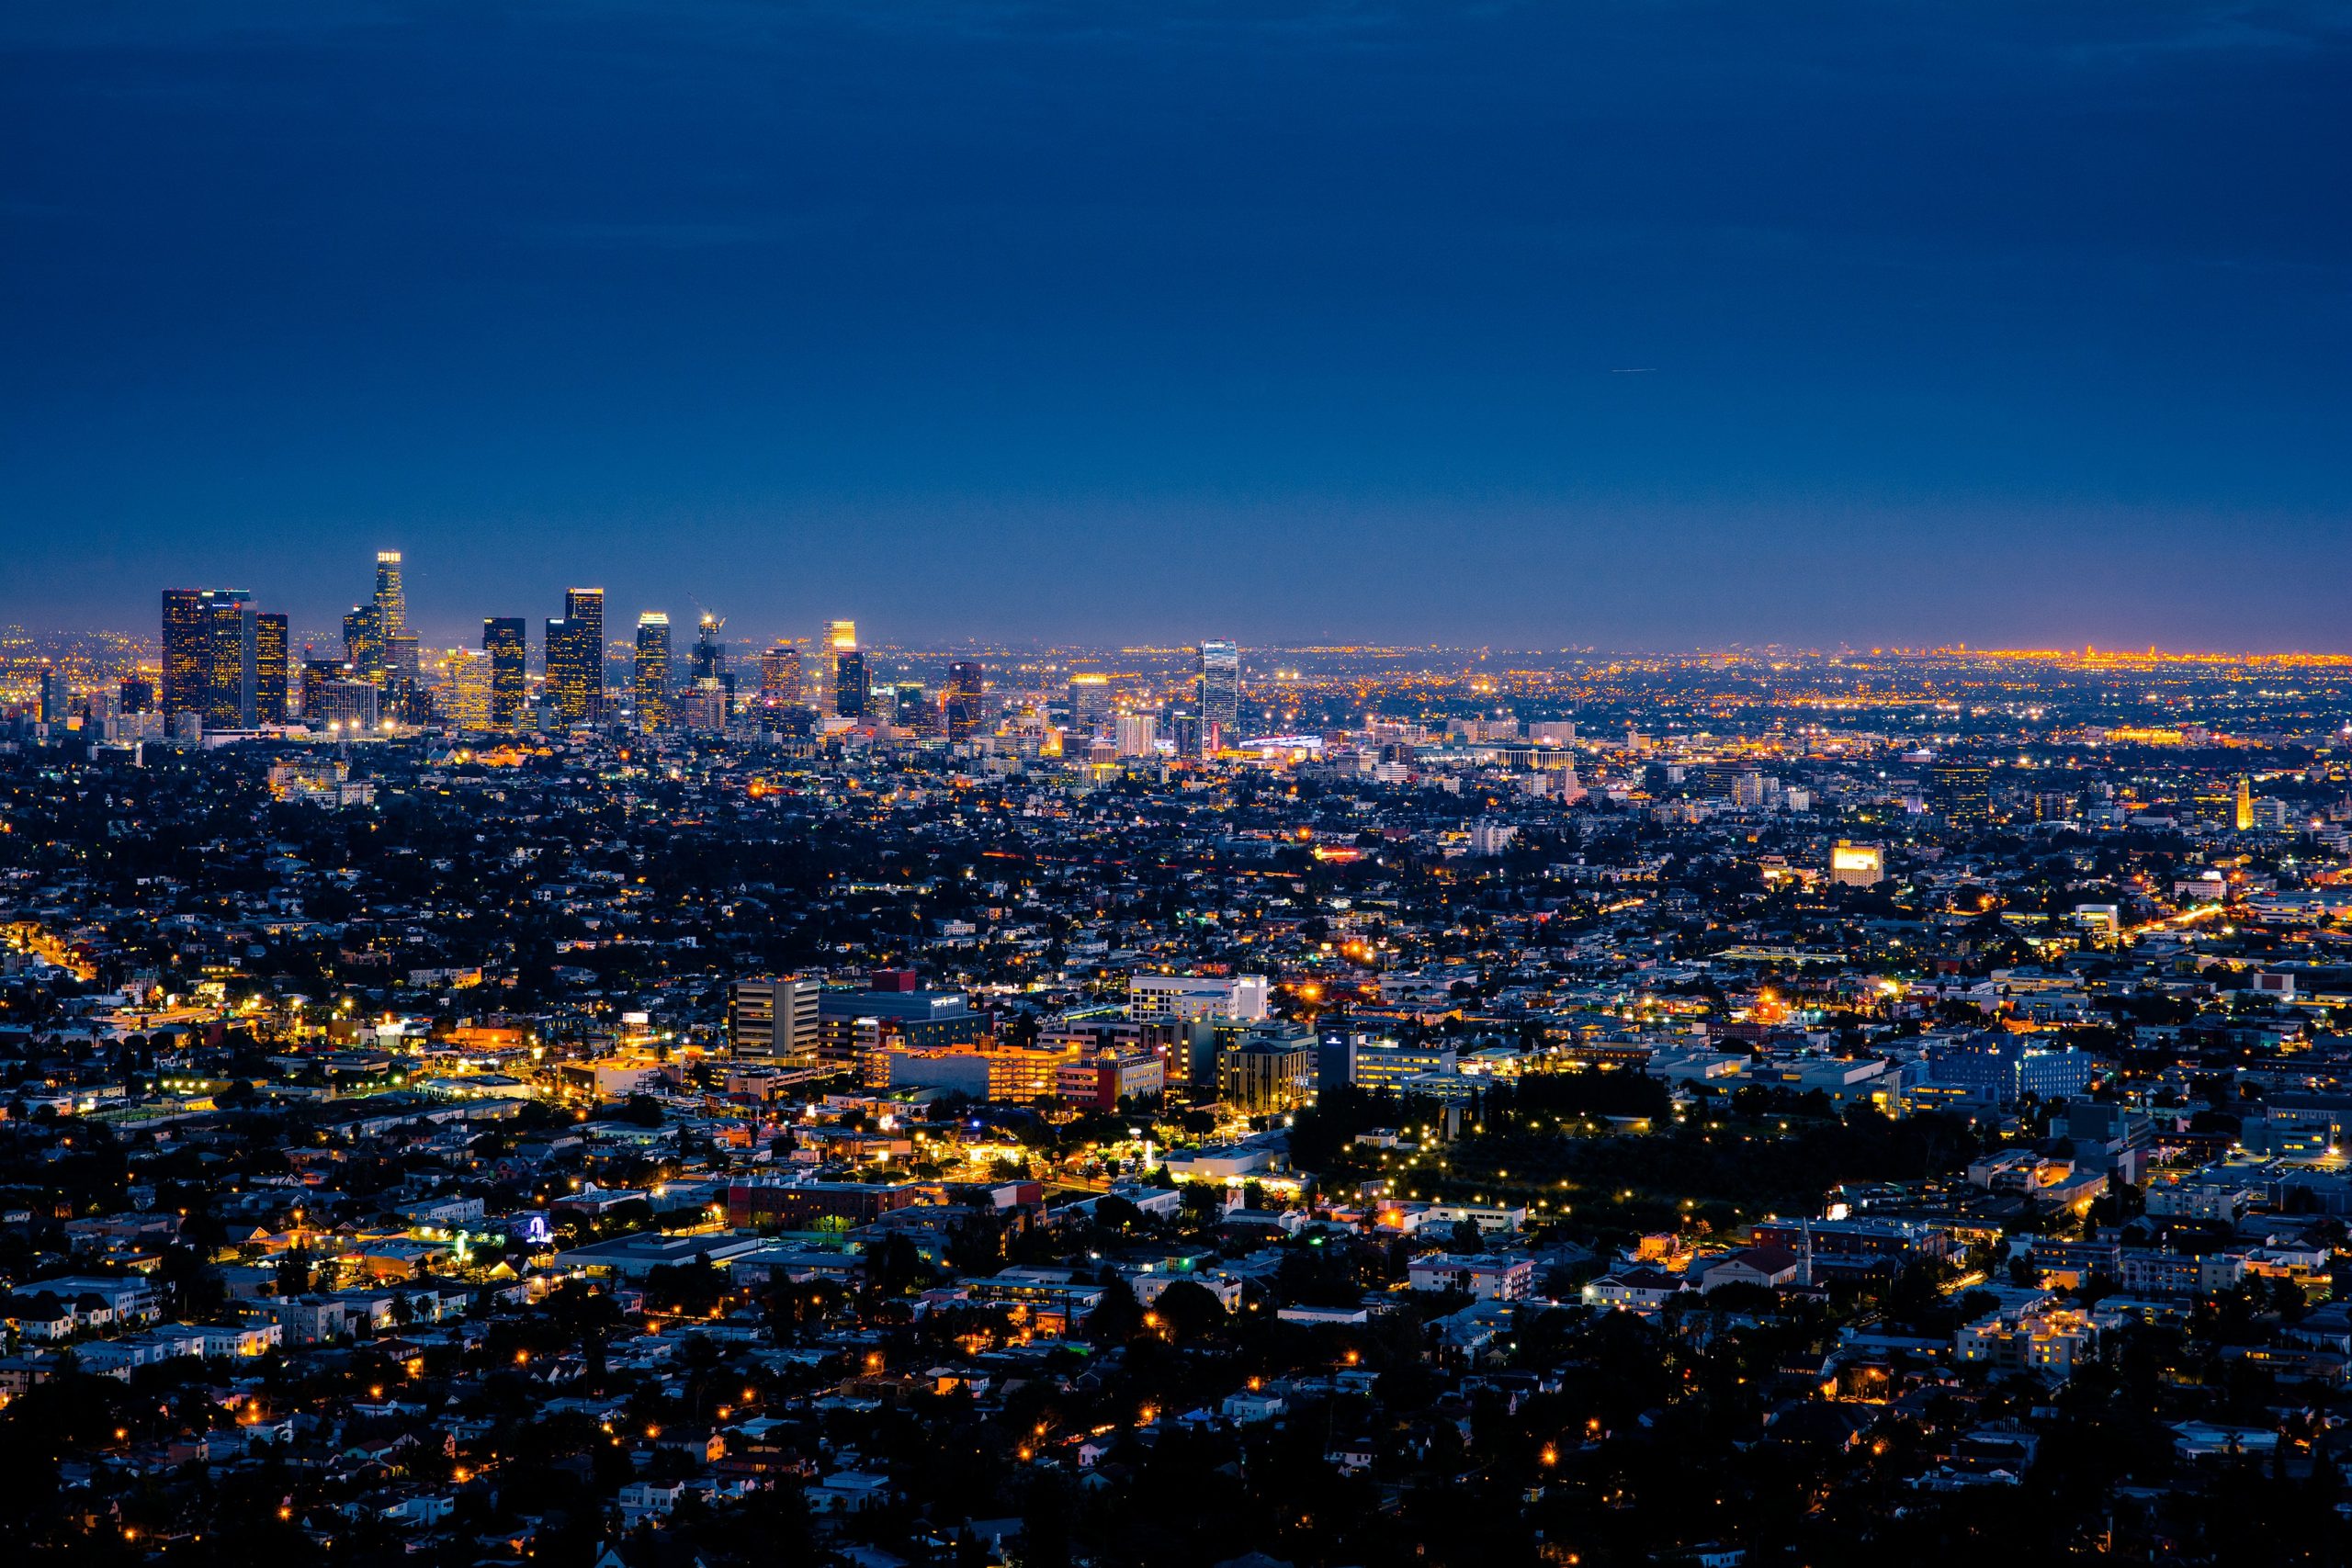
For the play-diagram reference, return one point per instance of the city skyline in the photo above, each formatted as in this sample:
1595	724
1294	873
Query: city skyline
2282	616
387	607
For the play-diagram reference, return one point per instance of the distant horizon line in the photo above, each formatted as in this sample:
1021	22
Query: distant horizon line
2091	652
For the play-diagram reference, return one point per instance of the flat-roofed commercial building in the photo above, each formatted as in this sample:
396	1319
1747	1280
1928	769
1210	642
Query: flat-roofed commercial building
1193	997
775	1018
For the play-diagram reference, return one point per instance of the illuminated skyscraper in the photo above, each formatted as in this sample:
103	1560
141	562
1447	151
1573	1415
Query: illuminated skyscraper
1220	683
350	707
841	637
1963	792
1184	734
209	657
392	601
270	669
53	695
585	605
967	705
780	677
1138	734
575	655
363	642
461	687
652	688
503	639
710	654
966	688
569	684
1089	702
316	673
853	686
403	661
2245	815
912	710
231	673
187	626
713	683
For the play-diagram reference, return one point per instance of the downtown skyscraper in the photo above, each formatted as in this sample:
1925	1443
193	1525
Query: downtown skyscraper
780	677
840	639
187	631
966	683
504	639
269	670
709	662
400	667
363	642
392	598
651	687
575	657
853	685
210	657
1220	689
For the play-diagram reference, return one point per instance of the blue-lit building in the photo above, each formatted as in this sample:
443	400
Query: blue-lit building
857	1029
2006	1068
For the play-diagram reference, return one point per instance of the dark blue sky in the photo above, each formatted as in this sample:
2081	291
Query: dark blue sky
2004	324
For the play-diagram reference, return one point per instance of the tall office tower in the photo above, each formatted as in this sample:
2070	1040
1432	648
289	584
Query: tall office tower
1184	734
585	606
270	669
1089	702
709	662
1220	693
363	642
208	639
576	657
138	695
392	601
1138	734
840	638
2244	817
504	639
403	678
461	687
852	688
1965	793
558	661
403	661
966	687
775	1018
568	656
652	688
316	673
780	677
231	673
714	682
53	695
912	711
187	628
355	707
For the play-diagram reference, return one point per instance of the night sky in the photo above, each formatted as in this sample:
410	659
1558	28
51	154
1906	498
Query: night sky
1630	324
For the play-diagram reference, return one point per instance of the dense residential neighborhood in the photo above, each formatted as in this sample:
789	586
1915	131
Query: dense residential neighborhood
1713	1110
